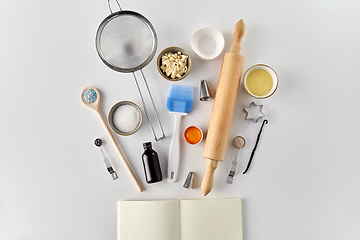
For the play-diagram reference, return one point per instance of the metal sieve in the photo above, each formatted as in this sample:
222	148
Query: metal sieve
126	42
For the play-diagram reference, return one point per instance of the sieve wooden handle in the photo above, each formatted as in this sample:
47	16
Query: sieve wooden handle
223	108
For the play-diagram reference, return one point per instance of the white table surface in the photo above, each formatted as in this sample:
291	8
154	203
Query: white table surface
304	182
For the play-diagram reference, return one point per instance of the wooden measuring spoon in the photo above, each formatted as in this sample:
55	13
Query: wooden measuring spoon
90	96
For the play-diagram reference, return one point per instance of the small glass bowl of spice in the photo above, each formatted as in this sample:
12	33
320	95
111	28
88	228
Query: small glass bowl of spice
125	118
174	63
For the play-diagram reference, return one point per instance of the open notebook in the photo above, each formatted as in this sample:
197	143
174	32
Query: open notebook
212	219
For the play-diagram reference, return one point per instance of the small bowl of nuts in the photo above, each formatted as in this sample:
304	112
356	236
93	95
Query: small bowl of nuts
173	63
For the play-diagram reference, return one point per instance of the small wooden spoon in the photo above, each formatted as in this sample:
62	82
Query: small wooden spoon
94	103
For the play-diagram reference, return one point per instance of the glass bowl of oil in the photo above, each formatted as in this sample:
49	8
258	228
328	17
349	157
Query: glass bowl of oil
260	81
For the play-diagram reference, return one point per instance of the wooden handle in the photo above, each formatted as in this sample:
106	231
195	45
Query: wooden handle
122	156
208	180
224	105
223	108
239	32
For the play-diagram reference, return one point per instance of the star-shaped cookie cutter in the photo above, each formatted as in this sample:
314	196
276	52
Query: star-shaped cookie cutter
254	112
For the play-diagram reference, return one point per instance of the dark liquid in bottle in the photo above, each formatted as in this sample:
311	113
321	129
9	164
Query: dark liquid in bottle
151	164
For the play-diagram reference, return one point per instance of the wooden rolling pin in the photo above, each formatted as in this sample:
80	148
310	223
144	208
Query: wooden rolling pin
223	108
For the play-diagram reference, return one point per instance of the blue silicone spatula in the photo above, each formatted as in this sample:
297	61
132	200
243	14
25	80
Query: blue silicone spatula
179	103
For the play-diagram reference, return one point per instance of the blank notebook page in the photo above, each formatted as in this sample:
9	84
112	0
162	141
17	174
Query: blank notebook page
214	219
150	220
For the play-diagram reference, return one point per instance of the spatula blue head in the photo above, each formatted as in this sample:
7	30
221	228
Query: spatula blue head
180	98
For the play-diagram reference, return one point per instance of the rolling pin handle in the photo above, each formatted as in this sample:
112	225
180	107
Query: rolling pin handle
208	180
239	32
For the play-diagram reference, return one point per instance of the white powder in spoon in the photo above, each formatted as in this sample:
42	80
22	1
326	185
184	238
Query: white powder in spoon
126	118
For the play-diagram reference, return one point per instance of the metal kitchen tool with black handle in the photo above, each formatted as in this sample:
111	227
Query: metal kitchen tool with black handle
126	42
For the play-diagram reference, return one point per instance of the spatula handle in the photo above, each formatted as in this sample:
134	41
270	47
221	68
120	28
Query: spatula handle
174	151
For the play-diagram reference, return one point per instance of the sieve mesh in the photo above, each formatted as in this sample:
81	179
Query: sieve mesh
126	42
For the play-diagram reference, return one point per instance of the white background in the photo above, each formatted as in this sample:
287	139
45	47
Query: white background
304	182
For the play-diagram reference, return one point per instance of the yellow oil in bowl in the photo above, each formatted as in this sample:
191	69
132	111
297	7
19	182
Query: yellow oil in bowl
260	81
